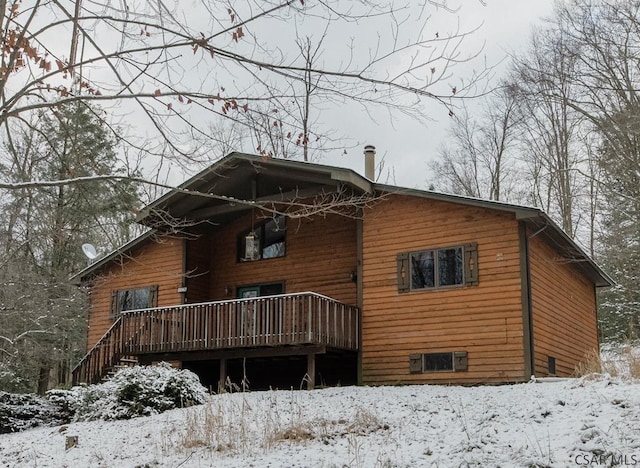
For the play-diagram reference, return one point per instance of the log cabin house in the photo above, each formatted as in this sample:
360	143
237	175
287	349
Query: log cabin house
278	273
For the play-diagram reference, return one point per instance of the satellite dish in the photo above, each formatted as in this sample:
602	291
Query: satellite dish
89	251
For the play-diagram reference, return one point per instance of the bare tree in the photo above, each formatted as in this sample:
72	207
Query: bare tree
542	80
602	40
478	160
171	70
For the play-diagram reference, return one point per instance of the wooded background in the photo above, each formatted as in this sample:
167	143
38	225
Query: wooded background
98	100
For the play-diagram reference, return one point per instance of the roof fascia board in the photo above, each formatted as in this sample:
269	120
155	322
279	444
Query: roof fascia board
607	280
521	211
336	173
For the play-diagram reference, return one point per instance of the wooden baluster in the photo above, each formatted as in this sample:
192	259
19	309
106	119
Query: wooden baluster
311	312
294	325
199	330
218	336
196	324
230	322
267	320
190	322
207	321
231	318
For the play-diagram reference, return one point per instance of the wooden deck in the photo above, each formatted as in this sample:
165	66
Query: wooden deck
264	322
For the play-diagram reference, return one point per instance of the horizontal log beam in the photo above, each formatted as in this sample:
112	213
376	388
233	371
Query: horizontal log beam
248	353
284	197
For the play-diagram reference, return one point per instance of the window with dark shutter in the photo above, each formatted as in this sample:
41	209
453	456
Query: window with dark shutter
438	268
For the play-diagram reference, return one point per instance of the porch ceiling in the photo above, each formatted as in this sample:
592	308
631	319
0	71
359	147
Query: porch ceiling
229	186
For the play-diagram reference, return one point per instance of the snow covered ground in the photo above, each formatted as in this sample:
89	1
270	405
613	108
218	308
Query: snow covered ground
592	421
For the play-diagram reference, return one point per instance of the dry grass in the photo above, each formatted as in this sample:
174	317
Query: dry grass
592	363
617	360
630	357
227	424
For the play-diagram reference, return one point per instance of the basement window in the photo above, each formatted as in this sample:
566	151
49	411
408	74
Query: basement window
435	362
271	236
133	299
438	268
438	362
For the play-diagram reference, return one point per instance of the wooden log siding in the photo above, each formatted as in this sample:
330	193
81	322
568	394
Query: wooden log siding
198	268
564	310
484	320
282	320
320	255
157	262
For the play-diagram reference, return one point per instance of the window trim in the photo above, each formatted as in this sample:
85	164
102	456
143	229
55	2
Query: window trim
259	229
469	268
114	311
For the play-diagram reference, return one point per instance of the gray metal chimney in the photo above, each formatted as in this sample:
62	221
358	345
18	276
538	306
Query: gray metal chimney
370	162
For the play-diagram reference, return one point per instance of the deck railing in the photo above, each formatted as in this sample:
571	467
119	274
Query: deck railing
281	320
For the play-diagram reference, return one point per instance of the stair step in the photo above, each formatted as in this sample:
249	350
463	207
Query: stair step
131	361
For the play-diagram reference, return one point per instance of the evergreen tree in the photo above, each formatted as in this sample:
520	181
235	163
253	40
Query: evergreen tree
42	320
620	239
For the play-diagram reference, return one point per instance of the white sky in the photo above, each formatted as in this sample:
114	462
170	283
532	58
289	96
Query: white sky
408	145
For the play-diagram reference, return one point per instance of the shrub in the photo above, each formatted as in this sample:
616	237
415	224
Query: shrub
131	392
24	411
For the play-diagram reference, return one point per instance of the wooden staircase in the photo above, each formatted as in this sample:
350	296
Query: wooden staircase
103	358
124	363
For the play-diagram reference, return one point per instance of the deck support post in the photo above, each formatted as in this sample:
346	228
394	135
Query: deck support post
223	375
311	371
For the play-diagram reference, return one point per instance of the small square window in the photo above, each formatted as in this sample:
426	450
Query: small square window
434	362
551	365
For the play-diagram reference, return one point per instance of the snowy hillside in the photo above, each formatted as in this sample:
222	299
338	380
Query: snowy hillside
562	423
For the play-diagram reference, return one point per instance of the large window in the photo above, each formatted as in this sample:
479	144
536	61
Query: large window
269	240
438	268
133	299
